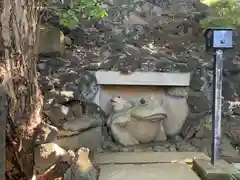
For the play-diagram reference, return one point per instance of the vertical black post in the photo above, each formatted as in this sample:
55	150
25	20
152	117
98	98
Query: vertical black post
216	105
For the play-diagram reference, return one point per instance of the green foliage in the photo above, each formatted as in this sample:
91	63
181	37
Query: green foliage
72	14
223	13
209	2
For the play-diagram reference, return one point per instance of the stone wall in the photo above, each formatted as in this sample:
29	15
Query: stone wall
140	35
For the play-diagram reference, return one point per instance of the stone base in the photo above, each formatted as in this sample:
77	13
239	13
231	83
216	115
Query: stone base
174	171
220	171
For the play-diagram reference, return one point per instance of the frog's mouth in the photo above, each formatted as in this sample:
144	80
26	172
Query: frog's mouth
155	117
114	102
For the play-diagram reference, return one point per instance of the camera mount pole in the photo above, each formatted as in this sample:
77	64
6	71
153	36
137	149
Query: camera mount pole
216	105
217	40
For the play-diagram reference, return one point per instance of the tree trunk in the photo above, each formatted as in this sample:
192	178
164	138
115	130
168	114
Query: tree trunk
18	58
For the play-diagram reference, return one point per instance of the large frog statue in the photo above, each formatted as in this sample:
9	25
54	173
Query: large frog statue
135	123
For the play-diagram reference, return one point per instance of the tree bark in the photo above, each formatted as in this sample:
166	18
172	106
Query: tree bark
18	74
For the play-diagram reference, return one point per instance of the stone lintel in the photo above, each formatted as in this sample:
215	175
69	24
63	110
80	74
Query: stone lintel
220	171
146	157
143	78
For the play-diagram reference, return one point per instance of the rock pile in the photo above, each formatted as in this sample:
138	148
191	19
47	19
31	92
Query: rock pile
68	107
55	154
71	122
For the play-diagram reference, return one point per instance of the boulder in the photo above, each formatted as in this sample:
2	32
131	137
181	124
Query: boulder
58	114
82	123
46	134
46	155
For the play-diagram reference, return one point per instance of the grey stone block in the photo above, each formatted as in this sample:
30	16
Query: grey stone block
220	171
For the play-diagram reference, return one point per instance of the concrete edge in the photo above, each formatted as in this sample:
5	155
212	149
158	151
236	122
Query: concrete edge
147	157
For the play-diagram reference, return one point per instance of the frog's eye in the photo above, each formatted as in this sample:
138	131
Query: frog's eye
142	101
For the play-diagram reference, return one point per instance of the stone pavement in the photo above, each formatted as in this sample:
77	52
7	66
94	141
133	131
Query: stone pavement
147	165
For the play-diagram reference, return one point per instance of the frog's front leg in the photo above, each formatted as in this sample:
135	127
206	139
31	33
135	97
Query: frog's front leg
121	118
161	135
120	131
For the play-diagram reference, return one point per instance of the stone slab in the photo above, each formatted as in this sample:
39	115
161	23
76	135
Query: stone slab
143	78
49	40
147	157
164	171
220	171
90	139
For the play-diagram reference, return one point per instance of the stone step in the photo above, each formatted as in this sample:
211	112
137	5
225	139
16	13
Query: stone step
146	157
161	171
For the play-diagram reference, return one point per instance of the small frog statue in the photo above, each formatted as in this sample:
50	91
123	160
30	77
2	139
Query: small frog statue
81	168
176	108
135	123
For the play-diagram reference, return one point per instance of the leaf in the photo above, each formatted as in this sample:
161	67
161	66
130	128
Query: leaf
80	8
213	2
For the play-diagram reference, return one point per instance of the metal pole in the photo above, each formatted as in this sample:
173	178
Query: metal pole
216	105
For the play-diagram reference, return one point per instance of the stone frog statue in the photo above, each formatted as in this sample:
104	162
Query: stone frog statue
135	123
81	168
176	108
